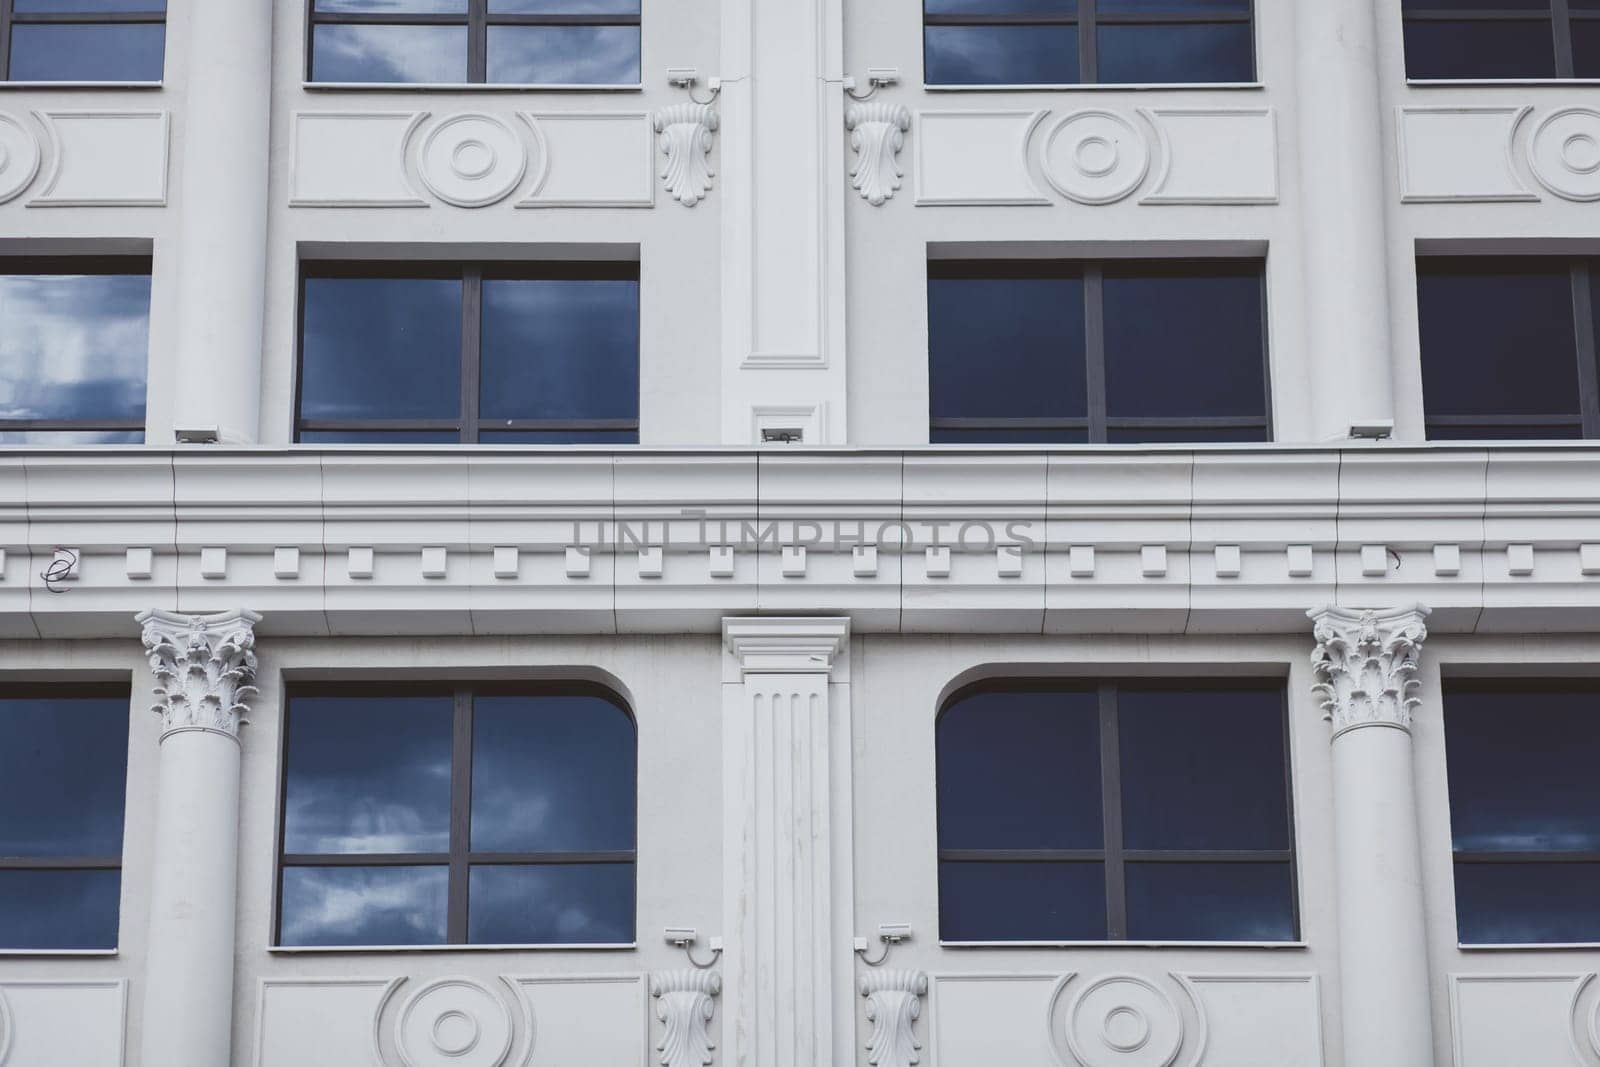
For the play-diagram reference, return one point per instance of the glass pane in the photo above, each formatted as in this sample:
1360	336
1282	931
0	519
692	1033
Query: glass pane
1477	5
1022	901
73	346
1167	7
1527	903
1202	768
552	904
559	437
563	7
1210	902
59	7
1000	7
87	52
368	773
1000	347
381	348
380	437
1185	435
1202	52
1000	55
364	905
67	438
59	909
1586	47
1543	431
566	349
418	54
1020	769
1480	49
63	770
552	774
1497	338
1185	343
1008	437
395	7
564	55
1528	789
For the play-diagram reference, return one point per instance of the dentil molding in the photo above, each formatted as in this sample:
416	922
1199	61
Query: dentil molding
1366	665
203	665
894	1003
686	135
877	133
685	1004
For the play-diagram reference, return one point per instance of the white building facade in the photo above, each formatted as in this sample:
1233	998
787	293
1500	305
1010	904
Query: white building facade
786	533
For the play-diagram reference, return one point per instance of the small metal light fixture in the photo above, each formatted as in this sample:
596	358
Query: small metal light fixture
1372	430
198	435
684	937
891	934
782	435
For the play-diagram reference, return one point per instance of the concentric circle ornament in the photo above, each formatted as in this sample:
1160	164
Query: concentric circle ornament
1564	152
453	1022
1124	1021
472	160
1096	157
19	158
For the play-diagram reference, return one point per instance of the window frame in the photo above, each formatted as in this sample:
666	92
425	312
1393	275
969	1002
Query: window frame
1088	21
477	21
1112	854
1096	422
467	424
461	858
66	266
1559	14
10	17
1581	273
71	690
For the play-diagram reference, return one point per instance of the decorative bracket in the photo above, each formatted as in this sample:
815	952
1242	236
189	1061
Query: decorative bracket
877	133
684	1002
894	1003
685	136
1366	665
203	665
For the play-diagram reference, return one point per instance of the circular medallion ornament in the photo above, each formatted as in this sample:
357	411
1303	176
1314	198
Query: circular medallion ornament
1564	152
453	1022
1124	1021
1095	157
19	158
472	160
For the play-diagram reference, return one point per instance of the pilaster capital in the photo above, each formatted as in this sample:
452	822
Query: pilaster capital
786	645
1366	665
203	667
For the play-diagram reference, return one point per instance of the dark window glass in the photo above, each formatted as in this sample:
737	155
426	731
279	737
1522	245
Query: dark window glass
1114	812
1141	351
462	816
74	339
63	783
549	42
1586	47
1525	811
461	356
82	40
1499	38
1049	42
1500	352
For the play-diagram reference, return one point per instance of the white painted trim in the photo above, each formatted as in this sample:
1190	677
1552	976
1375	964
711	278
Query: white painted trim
1520	116
53	175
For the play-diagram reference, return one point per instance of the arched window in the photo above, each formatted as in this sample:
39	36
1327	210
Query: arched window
1138	811
471	814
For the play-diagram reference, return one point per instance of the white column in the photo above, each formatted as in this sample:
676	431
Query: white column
1366	665
222	213
783	203
1343	202
203	666
788	906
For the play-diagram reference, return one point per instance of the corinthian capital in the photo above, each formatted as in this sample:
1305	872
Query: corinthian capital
1366	665
203	666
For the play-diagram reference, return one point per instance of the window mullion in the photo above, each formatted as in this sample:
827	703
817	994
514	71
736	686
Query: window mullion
471	350
1111	804
477	41
1561	25
460	817
5	39
1583	321
1088	50
1095	349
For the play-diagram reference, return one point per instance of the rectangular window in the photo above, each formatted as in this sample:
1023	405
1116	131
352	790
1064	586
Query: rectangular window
1508	347
1053	352
494	354
1525	810
516	42
1448	39
1067	42
63	785
1129	811
82	40
467	815
74	344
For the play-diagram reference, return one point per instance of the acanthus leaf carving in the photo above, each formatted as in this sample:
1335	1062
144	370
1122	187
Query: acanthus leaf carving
877	133
686	137
1366	664
894	1003
203	666
685	1005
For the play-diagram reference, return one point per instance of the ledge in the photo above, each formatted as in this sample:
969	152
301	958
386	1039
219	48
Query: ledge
346	950
1206	945
1101	87
454	87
